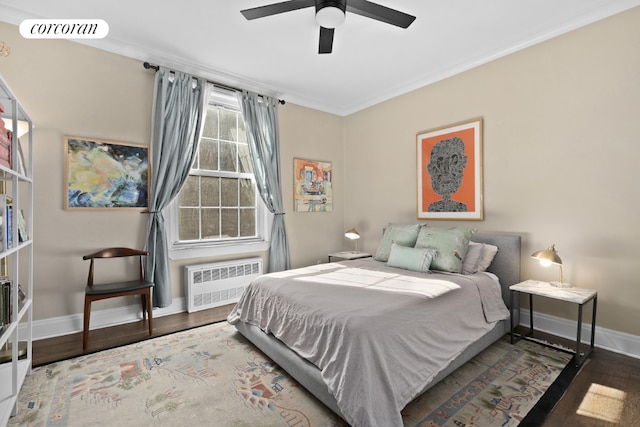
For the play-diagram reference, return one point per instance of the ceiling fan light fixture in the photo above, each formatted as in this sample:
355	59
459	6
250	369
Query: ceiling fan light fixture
330	14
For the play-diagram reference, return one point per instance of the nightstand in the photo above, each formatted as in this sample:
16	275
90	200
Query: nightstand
348	255
573	295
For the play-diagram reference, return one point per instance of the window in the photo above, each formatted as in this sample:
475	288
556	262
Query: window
219	210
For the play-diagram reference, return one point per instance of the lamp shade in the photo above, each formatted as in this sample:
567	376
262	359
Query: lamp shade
352	234
548	255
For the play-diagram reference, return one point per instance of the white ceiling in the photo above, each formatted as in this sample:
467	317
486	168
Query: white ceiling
371	61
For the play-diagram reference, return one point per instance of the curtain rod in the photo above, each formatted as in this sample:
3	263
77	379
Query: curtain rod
157	67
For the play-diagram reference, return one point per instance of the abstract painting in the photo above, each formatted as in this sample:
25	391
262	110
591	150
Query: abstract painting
103	174
312	186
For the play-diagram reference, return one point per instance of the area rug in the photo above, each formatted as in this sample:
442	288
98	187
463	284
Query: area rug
212	376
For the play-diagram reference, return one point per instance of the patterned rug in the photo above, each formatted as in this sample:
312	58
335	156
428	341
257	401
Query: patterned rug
212	376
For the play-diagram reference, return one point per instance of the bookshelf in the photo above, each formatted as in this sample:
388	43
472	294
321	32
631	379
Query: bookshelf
16	249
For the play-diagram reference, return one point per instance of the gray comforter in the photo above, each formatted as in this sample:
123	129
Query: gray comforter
378	334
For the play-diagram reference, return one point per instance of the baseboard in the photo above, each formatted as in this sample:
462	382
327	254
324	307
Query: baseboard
618	342
65	325
607	339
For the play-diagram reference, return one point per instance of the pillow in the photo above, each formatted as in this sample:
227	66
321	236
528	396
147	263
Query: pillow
404	235
488	254
451	243
472	258
414	259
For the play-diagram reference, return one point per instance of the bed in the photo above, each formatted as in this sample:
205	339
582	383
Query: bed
346	351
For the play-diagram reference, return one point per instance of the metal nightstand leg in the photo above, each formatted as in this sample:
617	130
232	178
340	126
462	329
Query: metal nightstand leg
511	316
579	359
517	337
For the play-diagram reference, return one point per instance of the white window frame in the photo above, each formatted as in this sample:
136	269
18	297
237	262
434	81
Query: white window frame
212	248
186	250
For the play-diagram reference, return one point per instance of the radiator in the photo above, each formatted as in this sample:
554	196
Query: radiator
220	283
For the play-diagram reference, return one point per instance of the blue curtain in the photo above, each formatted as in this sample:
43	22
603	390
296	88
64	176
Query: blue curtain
178	114
261	121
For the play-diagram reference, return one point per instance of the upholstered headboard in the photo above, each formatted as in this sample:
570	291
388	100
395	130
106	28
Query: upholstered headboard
506	264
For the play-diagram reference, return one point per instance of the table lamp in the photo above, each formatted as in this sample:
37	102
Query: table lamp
550	256
353	235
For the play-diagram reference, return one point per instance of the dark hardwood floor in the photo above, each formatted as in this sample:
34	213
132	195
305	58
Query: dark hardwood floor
606	391
54	349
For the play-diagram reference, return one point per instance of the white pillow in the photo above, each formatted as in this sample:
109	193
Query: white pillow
488	254
472	258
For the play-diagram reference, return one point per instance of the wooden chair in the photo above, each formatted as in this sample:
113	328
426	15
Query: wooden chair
140	286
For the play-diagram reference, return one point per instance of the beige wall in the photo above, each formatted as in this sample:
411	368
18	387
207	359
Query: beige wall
561	156
560	132
310	134
71	89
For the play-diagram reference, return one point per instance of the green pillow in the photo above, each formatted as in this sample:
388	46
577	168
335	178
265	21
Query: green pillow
404	235
414	259
451	244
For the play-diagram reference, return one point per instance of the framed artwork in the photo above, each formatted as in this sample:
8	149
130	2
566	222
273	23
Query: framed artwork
449	166
312	186
103	174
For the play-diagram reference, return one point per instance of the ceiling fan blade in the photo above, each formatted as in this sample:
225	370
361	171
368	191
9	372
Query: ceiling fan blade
326	40
276	8
380	13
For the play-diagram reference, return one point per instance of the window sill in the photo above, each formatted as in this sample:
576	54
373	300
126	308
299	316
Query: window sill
187	251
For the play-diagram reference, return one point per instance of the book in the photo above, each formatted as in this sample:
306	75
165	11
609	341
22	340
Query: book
5	142
3	223
9	228
5	301
5	148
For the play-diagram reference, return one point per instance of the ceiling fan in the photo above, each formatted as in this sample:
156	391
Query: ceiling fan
331	13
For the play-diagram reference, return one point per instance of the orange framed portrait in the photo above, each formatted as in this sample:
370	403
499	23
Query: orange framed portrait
449	172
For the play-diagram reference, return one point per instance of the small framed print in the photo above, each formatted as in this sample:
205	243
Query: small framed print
312	186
